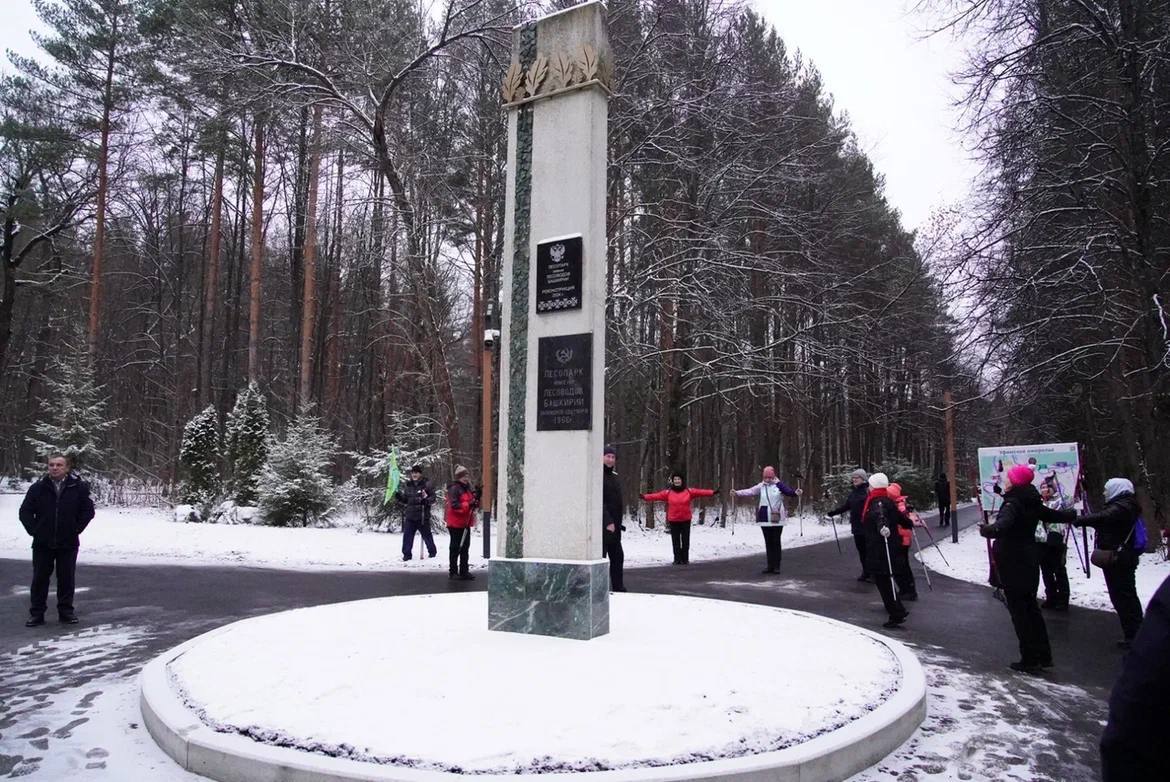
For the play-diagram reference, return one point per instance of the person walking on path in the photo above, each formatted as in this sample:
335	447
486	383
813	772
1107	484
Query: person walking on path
417	495
461	503
678	499
55	511
1139	720
1121	536
612	509
1017	564
942	493
853	503
770	514
1051	541
880	520
903	574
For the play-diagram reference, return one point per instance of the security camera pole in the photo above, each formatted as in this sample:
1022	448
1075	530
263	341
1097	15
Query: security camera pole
490	337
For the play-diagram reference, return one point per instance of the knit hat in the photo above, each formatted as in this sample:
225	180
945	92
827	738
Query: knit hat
894	490
879	481
416	468
769	473
1020	475
859	473
1115	487
460	471
609	450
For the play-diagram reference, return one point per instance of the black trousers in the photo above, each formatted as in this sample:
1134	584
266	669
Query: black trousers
423	528
611	547
1028	622
773	549
1119	578
459	550
890	600
944	513
859	542
903	574
45	561
680	541
1055	574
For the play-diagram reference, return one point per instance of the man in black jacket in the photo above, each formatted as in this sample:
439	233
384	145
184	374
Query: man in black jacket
55	511
417	495
854	503
611	520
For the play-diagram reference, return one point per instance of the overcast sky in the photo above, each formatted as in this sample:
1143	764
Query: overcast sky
893	85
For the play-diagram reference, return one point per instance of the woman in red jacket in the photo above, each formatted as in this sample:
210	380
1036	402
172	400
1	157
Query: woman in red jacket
461	503
678	514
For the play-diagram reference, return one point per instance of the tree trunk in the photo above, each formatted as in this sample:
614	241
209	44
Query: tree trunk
99	236
257	266
309	297
211	279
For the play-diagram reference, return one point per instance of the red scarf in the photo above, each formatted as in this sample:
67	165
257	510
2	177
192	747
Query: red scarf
873	493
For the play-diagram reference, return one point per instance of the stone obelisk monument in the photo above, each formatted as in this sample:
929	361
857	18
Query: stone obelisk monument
551	579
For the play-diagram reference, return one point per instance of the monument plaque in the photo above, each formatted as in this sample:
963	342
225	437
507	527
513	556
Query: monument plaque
558	275
564	387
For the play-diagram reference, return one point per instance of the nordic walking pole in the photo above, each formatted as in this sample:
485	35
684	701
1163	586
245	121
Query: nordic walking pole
937	547
799	504
833	522
922	559
890	565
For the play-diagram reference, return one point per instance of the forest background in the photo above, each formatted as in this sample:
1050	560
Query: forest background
307	195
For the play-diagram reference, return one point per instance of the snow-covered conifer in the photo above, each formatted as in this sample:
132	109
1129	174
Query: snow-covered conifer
295	487
199	459
247	444
73	413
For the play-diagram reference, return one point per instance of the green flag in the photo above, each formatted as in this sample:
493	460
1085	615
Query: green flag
392	476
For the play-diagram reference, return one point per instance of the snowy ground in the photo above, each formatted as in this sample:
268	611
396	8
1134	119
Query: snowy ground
968	561
979	728
147	535
992	729
664	693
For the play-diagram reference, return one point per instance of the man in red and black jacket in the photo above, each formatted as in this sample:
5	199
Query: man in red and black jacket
462	500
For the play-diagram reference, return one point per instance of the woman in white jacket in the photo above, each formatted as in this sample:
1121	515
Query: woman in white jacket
770	513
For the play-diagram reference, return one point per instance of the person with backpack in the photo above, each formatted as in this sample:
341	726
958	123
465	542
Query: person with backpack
903	573
678	499
416	495
461	503
881	519
1121	539
853	503
770	514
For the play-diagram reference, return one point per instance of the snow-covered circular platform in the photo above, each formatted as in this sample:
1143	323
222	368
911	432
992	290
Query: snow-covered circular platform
417	689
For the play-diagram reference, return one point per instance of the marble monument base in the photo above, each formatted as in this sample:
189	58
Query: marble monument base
557	597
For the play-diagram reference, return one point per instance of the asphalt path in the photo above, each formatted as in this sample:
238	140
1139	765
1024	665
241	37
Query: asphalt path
170	604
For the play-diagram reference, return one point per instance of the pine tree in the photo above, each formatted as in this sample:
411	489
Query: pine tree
295	488
74	419
247	444
199	459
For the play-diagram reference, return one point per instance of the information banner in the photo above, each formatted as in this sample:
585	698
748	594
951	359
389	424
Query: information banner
1056	466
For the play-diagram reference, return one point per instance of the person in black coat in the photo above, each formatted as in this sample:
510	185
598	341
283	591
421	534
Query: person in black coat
1132	748
942	493
854	503
612	509
1117	528
880	519
1017	564
417	495
55	511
